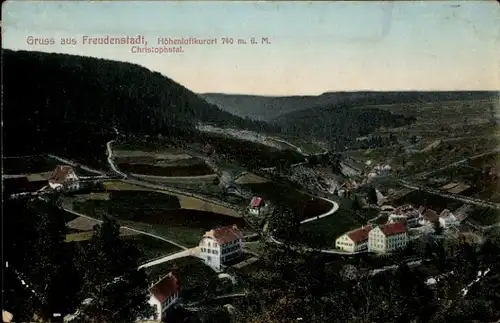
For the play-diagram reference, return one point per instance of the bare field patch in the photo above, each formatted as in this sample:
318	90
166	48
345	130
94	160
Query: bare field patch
100	196
82	224
251	178
121	186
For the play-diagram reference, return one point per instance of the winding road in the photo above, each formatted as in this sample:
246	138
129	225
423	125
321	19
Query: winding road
335	207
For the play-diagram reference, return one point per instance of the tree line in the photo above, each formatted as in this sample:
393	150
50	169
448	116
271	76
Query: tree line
98	279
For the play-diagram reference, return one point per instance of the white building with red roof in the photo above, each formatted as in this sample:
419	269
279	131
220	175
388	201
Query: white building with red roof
257	205
163	295
220	245
64	176
388	237
355	240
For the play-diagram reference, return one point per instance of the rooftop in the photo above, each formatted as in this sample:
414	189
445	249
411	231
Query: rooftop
430	215
225	234
393	228
60	174
360	234
166	287
256	202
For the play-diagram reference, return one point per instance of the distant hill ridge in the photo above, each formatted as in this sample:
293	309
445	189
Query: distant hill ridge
269	108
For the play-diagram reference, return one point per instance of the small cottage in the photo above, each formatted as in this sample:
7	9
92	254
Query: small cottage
257	205
218	246
64	177
163	295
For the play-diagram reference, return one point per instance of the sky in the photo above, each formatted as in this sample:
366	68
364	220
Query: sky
314	47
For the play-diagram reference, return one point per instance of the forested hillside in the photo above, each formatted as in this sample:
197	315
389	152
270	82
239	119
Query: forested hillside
339	125
271	107
68	104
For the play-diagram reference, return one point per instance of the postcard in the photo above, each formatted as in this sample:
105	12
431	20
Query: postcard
239	161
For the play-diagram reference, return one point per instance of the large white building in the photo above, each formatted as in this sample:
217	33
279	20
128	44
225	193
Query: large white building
388	237
355	240
64	177
163	295
218	246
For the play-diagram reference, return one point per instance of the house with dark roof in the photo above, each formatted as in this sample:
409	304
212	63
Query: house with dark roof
64	177
355	240
164	294
220	245
428	217
257	205
388	237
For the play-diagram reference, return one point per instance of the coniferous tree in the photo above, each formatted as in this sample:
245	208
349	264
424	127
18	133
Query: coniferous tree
115	290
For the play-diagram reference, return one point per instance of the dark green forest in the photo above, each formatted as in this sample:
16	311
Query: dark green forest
339	125
69	104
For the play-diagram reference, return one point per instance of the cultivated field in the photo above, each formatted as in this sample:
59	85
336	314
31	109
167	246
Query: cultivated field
443	133
250	178
157	213
198	169
186	202
232	150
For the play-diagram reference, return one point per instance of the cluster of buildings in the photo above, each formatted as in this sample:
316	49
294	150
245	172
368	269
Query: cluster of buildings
217	247
394	234
346	188
423	216
380	239
377	170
